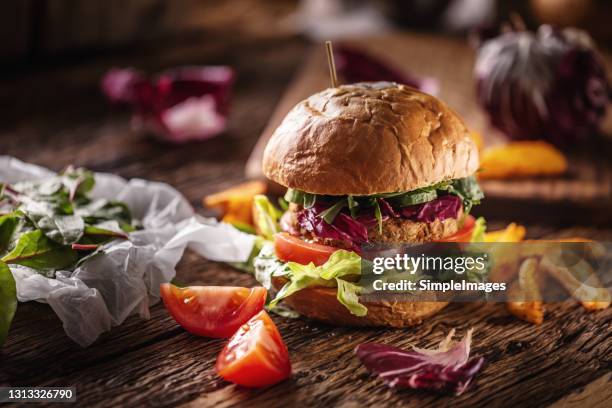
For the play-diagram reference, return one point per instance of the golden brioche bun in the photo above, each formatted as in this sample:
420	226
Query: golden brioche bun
369	138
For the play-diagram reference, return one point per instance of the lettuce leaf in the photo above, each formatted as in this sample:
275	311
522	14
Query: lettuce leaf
341	264
8	300
479	230
348	295
266	217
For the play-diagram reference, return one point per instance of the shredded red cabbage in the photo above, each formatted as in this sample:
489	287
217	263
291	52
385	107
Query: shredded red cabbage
443	207
449	368
356	66
177	105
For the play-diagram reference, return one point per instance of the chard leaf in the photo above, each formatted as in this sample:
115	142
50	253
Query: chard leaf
78	182
101	233
8	300
8	226
63	229
35	250
102	210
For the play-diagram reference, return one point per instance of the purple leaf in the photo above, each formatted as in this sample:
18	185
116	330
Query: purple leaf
443	207
344	228
448	368
188	103
357	66
386	208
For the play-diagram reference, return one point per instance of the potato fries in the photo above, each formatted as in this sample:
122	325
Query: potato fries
512	233
522	159
580	281
526	301
236	203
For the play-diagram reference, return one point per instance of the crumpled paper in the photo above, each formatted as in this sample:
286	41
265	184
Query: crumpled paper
125	280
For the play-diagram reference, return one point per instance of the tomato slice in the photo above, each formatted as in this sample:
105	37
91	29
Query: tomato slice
290	248
212	311
465	233
255	356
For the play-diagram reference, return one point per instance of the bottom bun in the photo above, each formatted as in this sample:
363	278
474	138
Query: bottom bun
320	303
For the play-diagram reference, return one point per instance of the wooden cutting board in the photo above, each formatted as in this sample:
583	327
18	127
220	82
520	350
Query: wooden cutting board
585	191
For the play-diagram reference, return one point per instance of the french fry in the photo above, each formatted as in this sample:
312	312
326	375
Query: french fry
586	288
512	233
244	190
235	204
522	159
526	301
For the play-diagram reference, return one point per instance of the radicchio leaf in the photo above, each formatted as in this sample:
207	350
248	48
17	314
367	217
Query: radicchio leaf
344	228
356	66
443	207
448	368
386	208
177	105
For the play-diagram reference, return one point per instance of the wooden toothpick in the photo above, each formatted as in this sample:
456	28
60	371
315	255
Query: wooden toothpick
331	63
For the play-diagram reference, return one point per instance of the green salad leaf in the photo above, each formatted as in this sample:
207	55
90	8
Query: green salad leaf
330	214
340	266
266	217
35	250
348	295
302	198
466	188
480	228
8	300
8	225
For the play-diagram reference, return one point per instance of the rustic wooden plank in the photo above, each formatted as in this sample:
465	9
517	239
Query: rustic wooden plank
156	363
571	349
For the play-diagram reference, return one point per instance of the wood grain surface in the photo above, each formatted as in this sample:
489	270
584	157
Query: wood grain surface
55	116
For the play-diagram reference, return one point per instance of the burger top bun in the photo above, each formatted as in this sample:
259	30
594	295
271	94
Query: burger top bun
369	138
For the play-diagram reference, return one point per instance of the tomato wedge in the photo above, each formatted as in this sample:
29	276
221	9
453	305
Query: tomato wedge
290	248
212	311
465	233
255	356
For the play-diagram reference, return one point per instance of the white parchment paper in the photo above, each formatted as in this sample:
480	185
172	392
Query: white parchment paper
125	280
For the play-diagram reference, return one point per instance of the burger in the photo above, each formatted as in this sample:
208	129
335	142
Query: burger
366	163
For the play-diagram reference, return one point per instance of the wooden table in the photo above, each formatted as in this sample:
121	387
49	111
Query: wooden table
55	116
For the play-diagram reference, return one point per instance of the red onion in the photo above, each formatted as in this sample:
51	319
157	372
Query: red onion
548	85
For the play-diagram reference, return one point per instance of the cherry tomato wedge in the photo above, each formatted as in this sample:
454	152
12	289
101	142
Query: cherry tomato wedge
465	233
290	248
212	311
255	356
